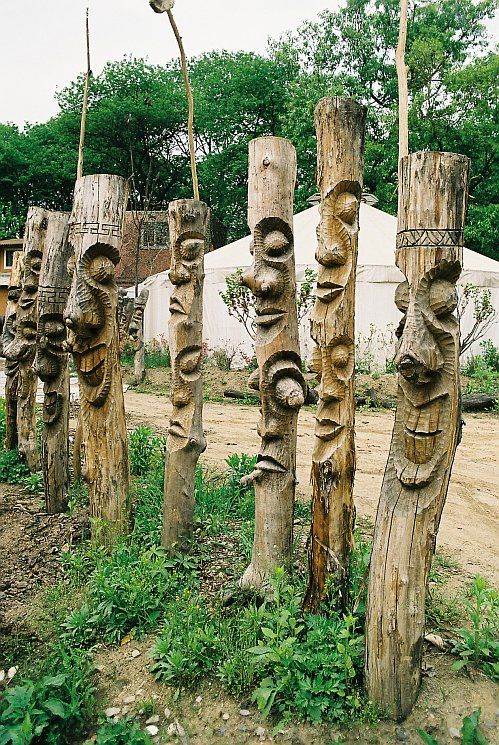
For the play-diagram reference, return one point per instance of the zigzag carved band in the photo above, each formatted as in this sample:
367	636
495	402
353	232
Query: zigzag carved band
95	228
430	237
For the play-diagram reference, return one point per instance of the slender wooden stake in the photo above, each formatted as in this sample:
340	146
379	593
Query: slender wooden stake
12	366
79	172
96	232
188	223
340	125
162	6
52	362
272	173
432	205
136	335
402	83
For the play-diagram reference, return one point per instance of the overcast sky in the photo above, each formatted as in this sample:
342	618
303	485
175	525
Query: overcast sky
42	44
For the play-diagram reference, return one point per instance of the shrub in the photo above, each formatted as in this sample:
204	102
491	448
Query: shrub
146	450
123	732
479	645
12	469
157	353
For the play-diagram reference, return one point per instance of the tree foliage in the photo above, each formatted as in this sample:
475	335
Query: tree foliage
137	114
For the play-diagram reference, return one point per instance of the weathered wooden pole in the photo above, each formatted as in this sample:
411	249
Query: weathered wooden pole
12	366
95	234
188	223
271	279
427	430
125	312
340	125
52	361
136	334
23	347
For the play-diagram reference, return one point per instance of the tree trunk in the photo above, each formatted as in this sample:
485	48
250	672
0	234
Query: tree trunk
432	204
23	347
340	124
12	366
52	362
271	279
188	223
95	233
136	334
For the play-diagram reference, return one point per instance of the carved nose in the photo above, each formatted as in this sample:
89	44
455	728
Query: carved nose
70	322
408	366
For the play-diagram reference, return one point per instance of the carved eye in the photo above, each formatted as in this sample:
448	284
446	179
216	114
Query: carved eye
402	296
191	249
189	361
340	356
275	243
443	297
35	264
102	269
346	208
28	332
54	328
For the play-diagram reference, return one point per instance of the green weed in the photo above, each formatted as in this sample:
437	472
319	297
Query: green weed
12	469
124	732
146	450
470	732
479	645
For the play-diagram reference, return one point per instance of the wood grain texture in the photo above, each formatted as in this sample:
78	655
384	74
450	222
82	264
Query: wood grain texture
12	365
340	126
271	279
432	205
95	234
52	361
188	223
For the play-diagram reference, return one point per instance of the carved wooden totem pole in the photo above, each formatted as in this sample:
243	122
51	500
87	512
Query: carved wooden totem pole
23	347
432	205
52	362
340	125
136	335
188	223
12	366
272	173
95	233
125	312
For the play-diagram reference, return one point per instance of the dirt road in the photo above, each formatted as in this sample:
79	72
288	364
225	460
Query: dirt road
469	528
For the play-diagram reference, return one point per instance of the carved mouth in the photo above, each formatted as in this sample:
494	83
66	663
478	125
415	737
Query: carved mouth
92	365
269	464
51	407
327	429
176	429
269	316
176	306
327	291
423	442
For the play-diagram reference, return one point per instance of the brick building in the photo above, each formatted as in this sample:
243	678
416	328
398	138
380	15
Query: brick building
154	249
7	250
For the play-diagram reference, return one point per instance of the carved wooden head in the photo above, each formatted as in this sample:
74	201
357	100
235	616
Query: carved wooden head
161	6
95	232
186	373
136	324
271	277
13	295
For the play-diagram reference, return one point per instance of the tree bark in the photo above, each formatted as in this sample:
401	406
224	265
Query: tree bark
52	362
432	204
271	279
95	233
402	83
12	366
340	125
136	334
188	223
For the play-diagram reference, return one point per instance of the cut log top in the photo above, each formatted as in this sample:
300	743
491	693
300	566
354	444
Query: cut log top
272	176
98	213
339	123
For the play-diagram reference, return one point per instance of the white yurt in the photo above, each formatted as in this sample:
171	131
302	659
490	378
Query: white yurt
377	277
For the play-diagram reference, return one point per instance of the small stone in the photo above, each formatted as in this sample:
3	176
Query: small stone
99	668
112	711
199	699
454	733
153	720
2	676
168	713
226	717
260	732
245	712
129	699
135	653
125	710
11	672
151	729
171	729
242	727
401	735
180	730
140	692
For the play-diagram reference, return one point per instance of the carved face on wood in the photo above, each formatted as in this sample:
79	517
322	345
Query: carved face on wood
186	368
428	344
269	278
90	319
338	225
51	348
187	255
136	324
22	346
282	394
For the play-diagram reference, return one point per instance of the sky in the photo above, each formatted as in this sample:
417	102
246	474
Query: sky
42	41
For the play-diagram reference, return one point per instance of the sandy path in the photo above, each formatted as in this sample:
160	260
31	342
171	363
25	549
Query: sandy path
469	528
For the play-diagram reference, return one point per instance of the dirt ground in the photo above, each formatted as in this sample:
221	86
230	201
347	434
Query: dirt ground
469	527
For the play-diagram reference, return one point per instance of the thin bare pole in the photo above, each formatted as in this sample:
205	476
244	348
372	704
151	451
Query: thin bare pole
402	83
81	147
190	103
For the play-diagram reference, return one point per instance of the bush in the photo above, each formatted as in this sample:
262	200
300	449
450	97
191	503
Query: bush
123	732
479	645
483	370
12	469
146	450
157	353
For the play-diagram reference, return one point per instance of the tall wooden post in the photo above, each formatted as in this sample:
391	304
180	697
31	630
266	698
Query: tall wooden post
52	362
136	335
340	125
188	223
23	347
95	234
125	312
12	366
272	173
432	205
